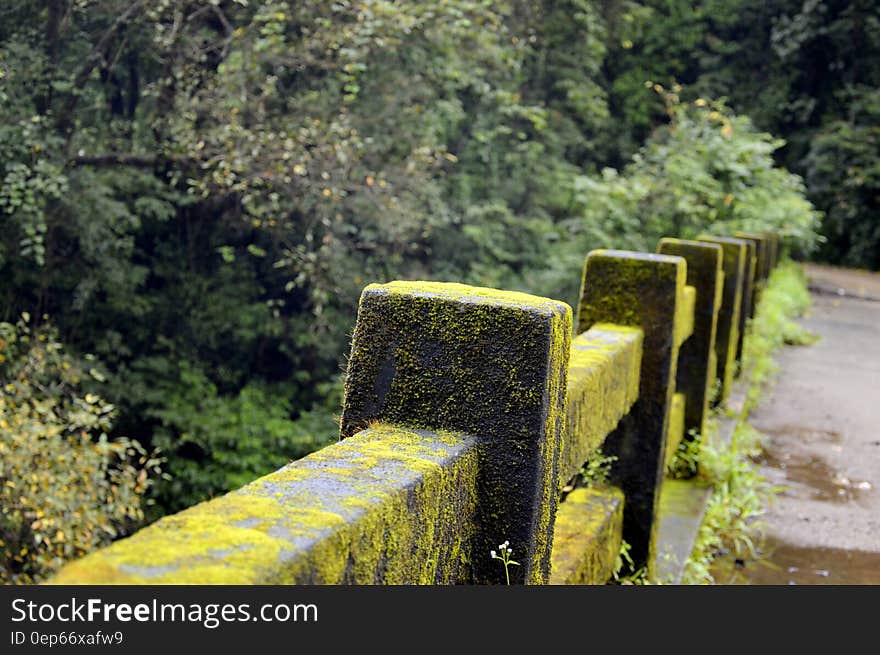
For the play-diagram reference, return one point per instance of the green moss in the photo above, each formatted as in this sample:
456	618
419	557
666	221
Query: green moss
684	314
763	251
622	285
696	360
675	433
639	290
587	537
388	506
603	383
478	361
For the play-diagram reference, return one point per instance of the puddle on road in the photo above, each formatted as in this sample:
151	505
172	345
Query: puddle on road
804	433
782	563
810	476
821	481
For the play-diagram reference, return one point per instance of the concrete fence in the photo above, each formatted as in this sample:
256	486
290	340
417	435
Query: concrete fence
468	414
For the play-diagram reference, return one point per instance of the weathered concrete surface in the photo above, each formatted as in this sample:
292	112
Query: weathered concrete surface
749	299
489	363
675	431
696	365
603	384
682	508
823	423
727	328
387	506
644	291
586	540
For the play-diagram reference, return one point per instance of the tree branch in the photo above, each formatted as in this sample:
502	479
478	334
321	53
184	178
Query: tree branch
128	159
93	59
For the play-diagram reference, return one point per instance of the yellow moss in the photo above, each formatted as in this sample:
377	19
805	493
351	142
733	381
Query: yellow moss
675	430
455	291
487	362
587	536
552	441
684	314
603	383
379	507
621	302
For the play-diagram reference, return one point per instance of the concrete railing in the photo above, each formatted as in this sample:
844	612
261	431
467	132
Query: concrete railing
468	412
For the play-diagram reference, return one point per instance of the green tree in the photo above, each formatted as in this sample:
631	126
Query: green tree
65	486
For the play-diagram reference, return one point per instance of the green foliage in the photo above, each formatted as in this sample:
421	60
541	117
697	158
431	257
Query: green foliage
596	469
739	498
805	71
65	486
785	298
197	192
224	442
707	170
843	173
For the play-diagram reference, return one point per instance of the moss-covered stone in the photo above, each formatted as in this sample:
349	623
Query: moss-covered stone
684	318
777	246
749	298
675	432
773	246
696	364
727	327
388	506
763	247
639	290
603	383
586	541
482	362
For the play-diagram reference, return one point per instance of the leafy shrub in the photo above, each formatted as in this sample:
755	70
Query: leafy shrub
222	442
707	170
844	177
65	487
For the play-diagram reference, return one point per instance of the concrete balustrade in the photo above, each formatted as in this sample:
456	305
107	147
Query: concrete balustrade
468	415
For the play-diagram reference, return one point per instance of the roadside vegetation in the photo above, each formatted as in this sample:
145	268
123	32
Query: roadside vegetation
740	494
194	193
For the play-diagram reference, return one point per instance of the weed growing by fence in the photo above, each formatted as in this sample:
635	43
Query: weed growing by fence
504	554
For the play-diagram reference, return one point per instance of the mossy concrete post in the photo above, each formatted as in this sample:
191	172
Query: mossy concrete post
749	296
762	244
727	330
696	358
488	363
774	249
757	280
639	290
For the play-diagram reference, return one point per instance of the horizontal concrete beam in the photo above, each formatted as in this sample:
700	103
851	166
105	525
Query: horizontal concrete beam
603	383
587	538
684	316
675	433
387	506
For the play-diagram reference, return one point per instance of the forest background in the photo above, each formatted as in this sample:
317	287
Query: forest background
193	194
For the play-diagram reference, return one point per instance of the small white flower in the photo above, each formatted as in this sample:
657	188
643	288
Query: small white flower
494	556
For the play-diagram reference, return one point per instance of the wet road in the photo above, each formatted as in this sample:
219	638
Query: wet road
822	420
